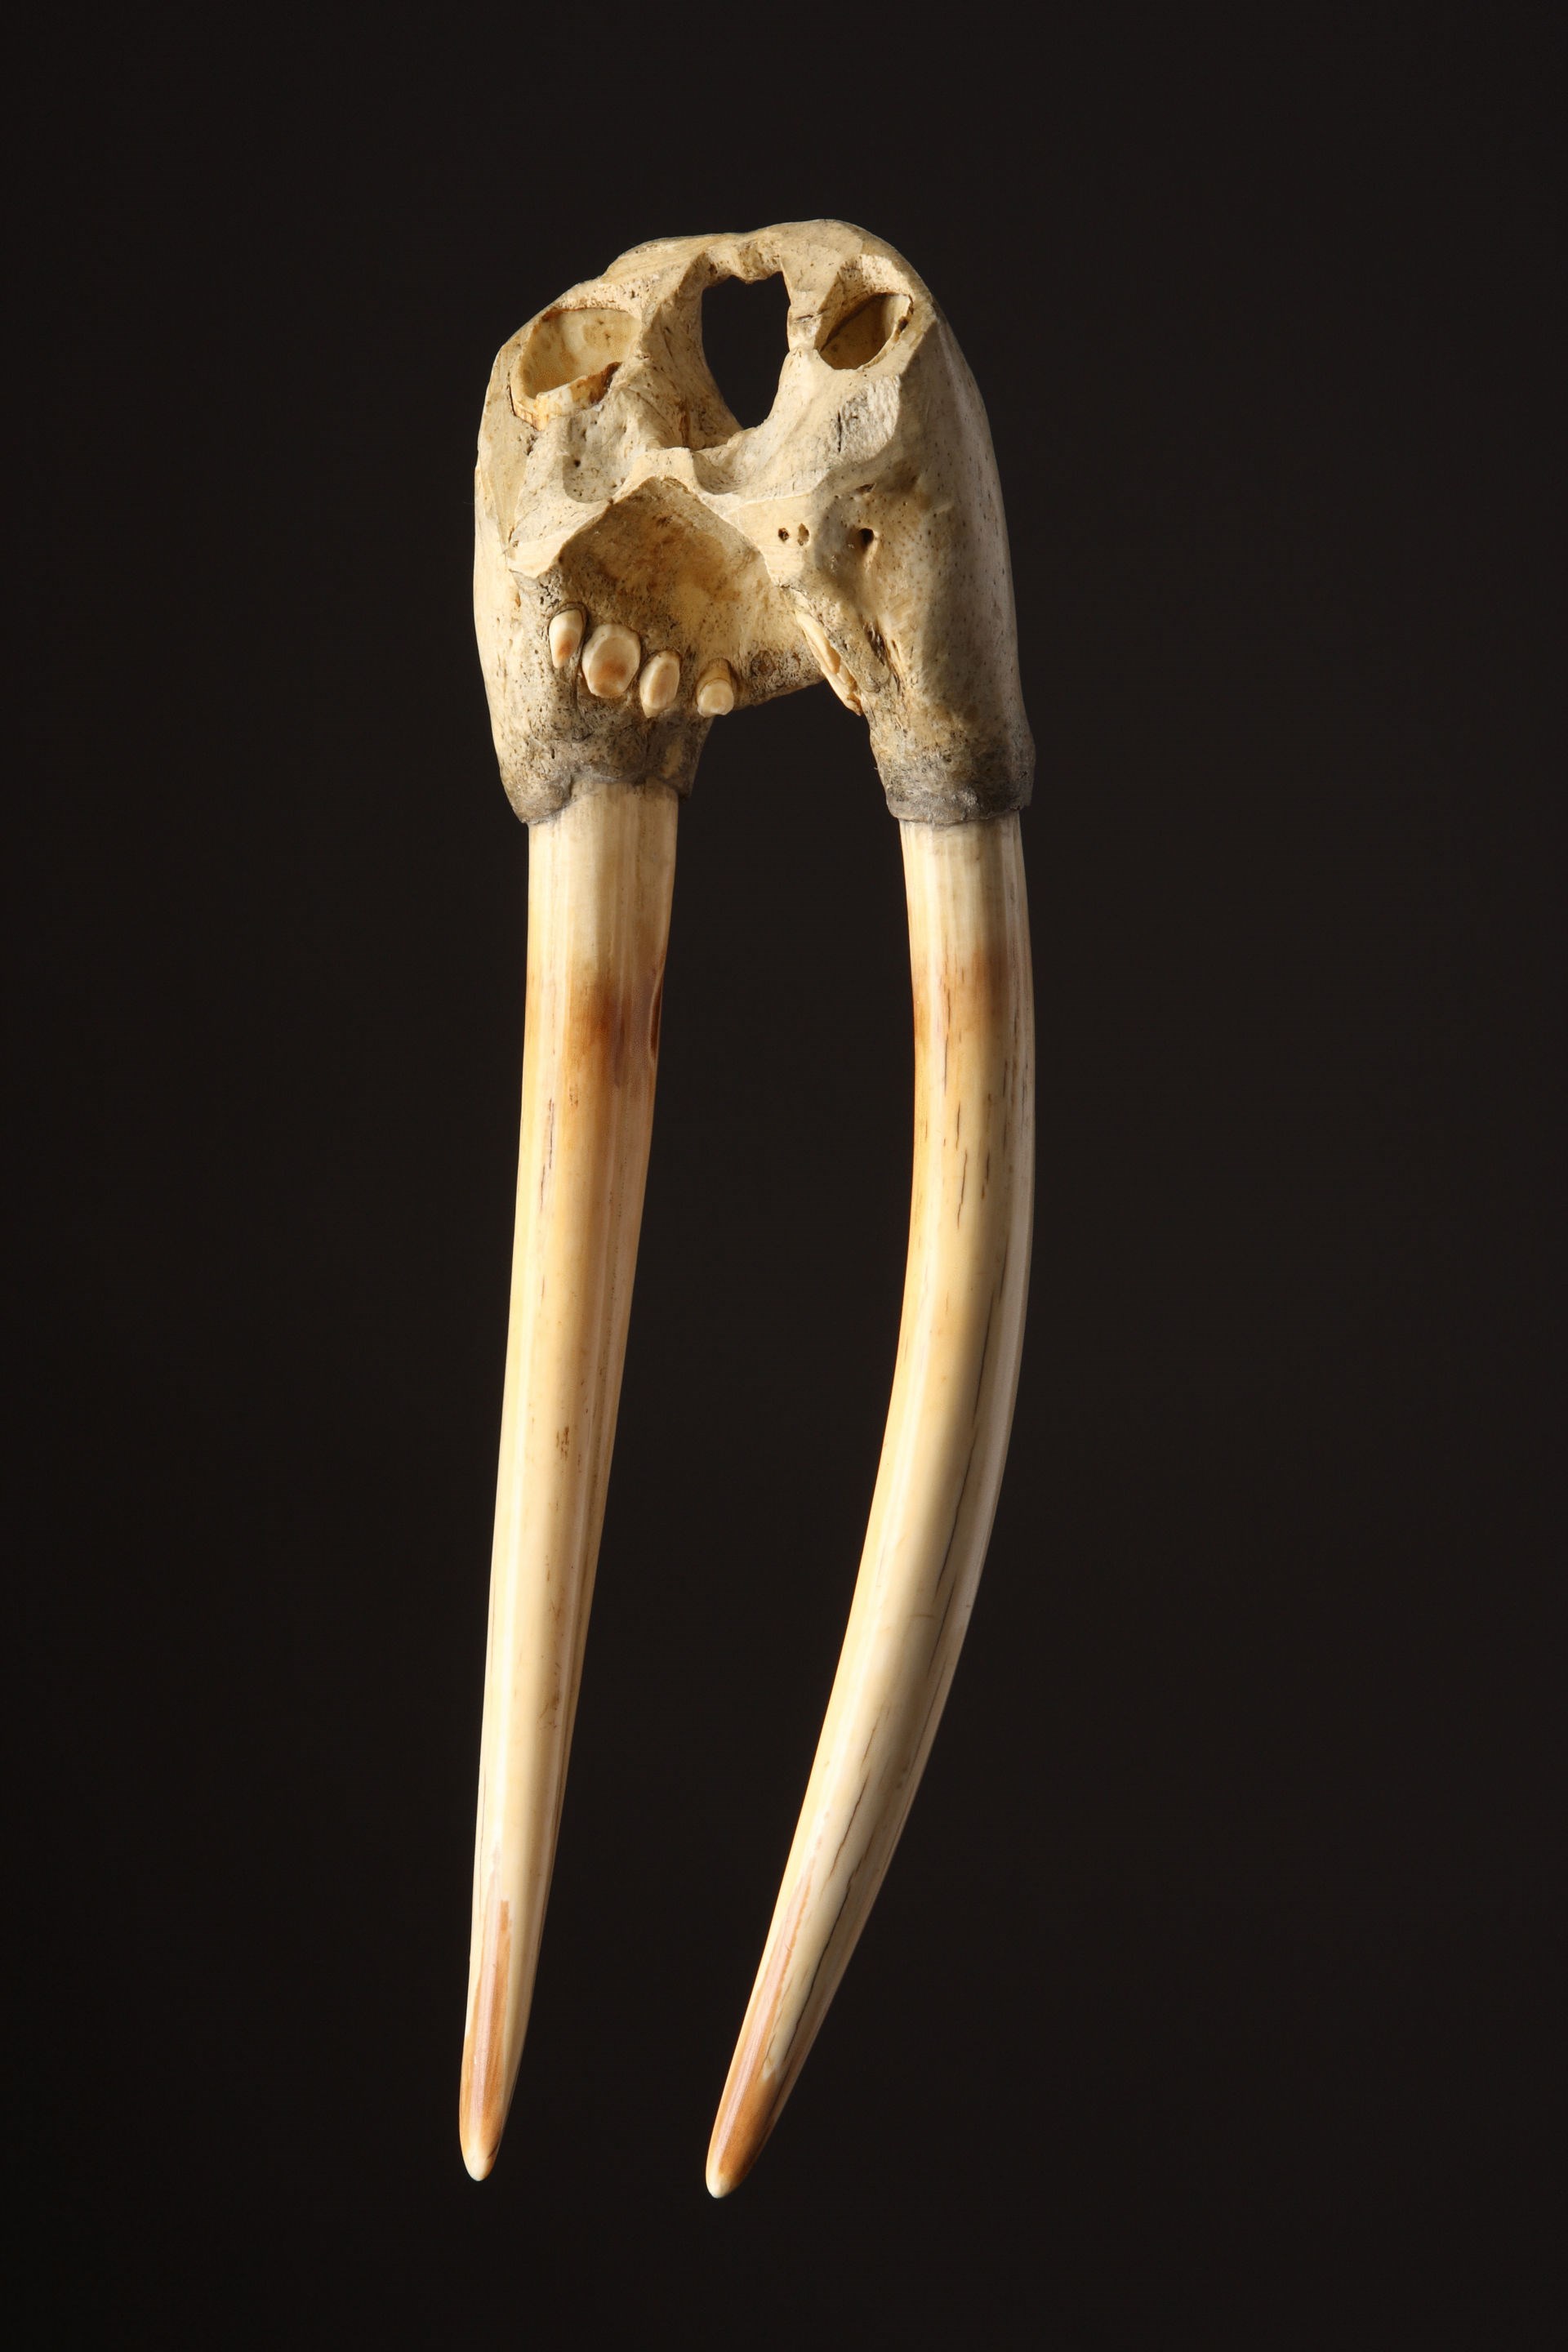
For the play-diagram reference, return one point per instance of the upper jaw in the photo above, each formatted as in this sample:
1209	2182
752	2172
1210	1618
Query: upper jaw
856	533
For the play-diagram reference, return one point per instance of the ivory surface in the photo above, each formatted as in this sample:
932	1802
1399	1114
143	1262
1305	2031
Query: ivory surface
954	1382
600	878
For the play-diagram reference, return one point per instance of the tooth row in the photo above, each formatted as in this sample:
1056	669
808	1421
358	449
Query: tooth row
610	662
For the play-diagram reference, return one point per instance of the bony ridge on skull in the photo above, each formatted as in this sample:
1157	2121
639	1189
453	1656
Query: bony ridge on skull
624	520
644	566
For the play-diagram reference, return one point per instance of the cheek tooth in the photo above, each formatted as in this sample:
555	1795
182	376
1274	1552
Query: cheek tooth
565	635
610	661
716	690
659	681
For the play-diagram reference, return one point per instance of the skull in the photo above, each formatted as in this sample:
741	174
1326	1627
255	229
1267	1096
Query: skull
643	566
628	530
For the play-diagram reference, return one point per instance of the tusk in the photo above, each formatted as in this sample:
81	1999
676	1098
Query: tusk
948	1423
601	872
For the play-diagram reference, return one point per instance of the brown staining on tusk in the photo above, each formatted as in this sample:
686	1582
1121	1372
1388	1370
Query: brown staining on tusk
948	1424
482	2094
600	878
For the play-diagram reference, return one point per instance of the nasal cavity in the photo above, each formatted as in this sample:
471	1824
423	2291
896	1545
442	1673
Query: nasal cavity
745	335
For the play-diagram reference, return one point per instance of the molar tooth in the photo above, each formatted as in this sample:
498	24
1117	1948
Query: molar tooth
610	660
565	635
716	690
659	681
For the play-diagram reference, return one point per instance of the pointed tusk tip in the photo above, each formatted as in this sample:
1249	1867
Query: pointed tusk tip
730	2158
481	2120
480	2150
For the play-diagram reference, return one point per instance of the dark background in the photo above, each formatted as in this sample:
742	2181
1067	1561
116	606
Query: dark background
1211	1996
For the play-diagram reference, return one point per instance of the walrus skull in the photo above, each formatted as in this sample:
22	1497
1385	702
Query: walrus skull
643	567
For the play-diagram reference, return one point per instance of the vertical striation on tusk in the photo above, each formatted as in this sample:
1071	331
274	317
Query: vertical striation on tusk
948	1423
600	875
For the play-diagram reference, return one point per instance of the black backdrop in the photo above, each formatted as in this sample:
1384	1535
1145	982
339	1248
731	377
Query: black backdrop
1209	1996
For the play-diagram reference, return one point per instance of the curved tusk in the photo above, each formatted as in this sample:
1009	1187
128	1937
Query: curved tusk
948	1424
600	875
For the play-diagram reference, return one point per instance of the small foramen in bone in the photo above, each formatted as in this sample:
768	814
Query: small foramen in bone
643	566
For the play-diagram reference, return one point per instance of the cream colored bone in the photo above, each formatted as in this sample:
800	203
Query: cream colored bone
643	566
856	531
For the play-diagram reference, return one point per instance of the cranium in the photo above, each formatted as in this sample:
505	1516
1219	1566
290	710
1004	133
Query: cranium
856	532
643	566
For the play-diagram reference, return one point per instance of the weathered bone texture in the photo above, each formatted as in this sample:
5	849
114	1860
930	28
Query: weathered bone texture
856	532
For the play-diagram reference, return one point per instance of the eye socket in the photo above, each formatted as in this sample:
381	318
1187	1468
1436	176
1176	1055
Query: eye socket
569	345
865	330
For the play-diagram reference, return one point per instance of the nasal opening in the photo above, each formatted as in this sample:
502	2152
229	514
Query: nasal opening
746	339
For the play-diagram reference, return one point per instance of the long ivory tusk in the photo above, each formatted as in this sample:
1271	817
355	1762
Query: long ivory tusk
601	874
948	1423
